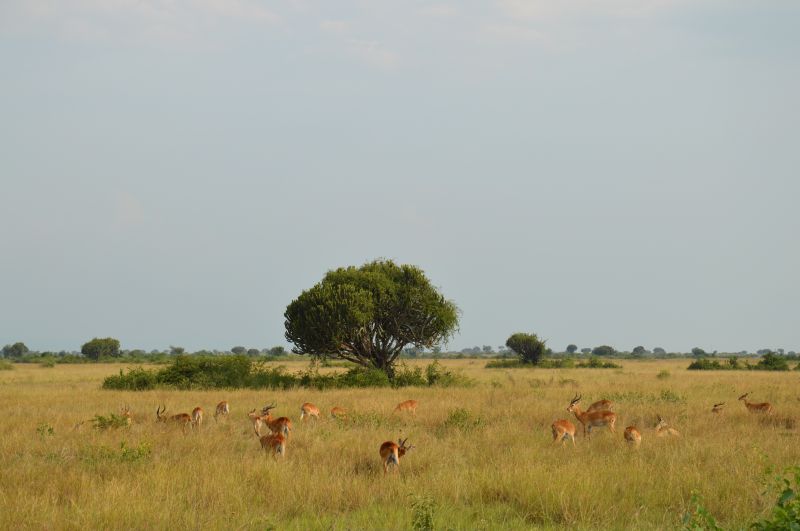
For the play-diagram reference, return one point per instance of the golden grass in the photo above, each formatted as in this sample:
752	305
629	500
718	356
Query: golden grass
500	473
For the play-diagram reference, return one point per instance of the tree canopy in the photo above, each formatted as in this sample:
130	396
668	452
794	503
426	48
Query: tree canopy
17	350
604	350
571	348
98	348
528	347
369	314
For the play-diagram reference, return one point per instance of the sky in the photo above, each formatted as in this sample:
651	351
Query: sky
619	172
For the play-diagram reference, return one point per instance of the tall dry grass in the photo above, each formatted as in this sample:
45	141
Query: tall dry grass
491	466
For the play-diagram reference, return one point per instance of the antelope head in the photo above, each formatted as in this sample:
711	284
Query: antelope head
403	448
266	409
574	403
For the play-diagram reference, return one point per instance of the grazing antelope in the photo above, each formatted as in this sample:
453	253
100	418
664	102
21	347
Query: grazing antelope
408	405
222	409
592	419
309	410
183	419
197	417
717	407
274	442
276	425
392	452
763	407
663	430
338	413
563	429
632	436
601	405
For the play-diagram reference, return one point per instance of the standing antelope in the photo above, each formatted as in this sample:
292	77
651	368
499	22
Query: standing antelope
408	405
663	430
183	419
126	412
392	452
632	436
338	413
717	407
309	410
197	417
563	429
222	409
602	405
274	442
591	419
763	407
276	425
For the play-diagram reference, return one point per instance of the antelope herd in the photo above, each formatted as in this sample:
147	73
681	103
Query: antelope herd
599	414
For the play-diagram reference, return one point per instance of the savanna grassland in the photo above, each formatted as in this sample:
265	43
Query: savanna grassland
491	466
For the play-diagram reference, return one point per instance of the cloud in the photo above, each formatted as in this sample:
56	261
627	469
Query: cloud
373	53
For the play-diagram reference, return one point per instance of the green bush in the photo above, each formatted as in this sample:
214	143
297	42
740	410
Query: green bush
112	421
596	363
6	365
461	419
705	364
663	375
196	372
771	362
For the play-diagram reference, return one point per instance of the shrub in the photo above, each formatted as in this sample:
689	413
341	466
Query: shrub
137	379
463	420
705	364
771	362
786	512
528	347
597	363
422	508
8	366
663	375
112	421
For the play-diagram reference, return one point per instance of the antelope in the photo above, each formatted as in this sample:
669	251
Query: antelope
632	436
126	412
392	452
763	407
274	442
197	417
663	430
408	405
338	413
276	425
717	407
309	410
563	429
602	405
222	409
184	419
592	418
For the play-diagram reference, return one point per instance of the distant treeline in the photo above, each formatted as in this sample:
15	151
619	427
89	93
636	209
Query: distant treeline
768	362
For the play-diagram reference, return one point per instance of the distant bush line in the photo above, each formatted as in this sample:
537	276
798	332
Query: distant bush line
551	363
769	362
196	372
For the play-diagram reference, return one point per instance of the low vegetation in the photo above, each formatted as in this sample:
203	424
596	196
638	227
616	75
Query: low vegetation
768	362
554	363
238	372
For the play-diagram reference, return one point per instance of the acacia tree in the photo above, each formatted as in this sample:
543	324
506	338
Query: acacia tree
528	347
98	348
369	314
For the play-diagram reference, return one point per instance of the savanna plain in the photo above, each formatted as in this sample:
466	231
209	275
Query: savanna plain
483	456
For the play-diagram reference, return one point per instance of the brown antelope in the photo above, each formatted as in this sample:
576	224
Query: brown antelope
763	407
632	436
717	407
563	429
126	412
663	430
338	413
601	405
275	443
309	410
197	417
592	419
222	410
182	419
392	452
408	405
276	425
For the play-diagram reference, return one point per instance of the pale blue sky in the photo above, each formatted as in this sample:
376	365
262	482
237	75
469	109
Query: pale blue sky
621	172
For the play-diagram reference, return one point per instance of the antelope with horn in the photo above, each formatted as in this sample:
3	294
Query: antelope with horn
562	430
763	407
182	419
663	430
592	419
280	425
391	453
